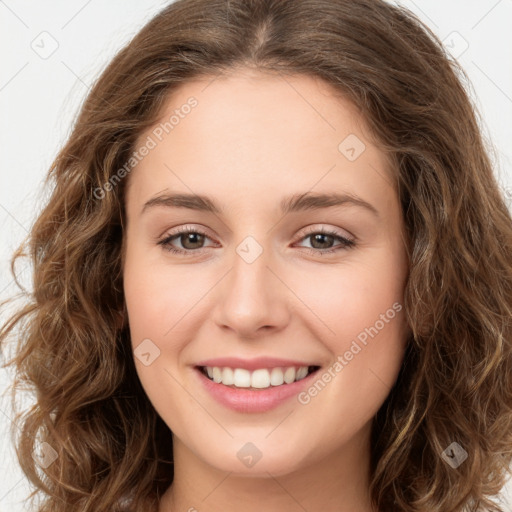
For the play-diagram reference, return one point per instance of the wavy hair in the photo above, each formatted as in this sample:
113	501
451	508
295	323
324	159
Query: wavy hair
72	347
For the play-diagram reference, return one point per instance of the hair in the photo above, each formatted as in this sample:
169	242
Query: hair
73	352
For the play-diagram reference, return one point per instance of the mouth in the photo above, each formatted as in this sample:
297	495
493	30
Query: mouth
255	385
257	379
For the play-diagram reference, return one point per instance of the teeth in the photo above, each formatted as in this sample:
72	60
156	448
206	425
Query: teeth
276	377
289	375
241	378
301	373
227	376
217	374
260	379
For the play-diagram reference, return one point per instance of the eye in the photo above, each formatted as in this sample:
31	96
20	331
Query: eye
189	236
191	239
322	237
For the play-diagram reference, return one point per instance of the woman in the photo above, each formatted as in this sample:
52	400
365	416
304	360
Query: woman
366	371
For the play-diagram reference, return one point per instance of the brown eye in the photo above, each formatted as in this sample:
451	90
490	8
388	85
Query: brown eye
321	241
190	239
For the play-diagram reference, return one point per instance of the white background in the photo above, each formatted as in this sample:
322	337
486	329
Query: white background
39	98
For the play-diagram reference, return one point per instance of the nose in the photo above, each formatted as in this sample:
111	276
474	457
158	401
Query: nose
252	300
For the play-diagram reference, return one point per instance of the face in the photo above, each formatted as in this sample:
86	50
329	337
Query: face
271	273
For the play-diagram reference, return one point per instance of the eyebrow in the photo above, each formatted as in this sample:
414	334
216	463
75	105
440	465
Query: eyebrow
295	203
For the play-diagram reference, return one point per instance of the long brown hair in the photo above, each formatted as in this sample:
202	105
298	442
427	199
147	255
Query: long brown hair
455	385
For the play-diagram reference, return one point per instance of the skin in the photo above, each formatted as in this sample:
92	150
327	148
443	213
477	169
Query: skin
252	140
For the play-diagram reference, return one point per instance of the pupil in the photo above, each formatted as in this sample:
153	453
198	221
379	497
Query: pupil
196	238
190	237
318	238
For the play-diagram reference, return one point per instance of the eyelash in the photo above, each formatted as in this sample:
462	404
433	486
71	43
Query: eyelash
345	242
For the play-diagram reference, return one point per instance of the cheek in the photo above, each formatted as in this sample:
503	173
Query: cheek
344	298
363	309
156	295
156	299
348	298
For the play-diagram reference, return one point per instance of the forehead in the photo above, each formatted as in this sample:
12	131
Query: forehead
251	131
249	104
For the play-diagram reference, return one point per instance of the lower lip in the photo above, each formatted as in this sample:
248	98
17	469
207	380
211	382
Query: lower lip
249	401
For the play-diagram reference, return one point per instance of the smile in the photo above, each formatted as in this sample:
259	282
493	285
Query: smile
263	384
260	378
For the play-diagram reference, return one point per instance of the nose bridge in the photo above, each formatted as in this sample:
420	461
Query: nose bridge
250	274
251	296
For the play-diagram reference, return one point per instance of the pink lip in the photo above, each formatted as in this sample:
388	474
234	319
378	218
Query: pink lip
253	401
253	364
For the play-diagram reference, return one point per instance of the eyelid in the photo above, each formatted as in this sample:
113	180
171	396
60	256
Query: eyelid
346	241
319	228
315	228
184	228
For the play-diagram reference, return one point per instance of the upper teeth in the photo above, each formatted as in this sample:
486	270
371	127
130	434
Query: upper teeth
261	378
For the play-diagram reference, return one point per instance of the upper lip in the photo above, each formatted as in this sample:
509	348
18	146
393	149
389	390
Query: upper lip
252	364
